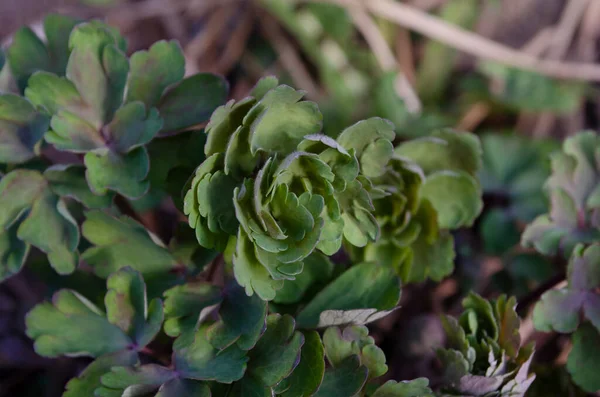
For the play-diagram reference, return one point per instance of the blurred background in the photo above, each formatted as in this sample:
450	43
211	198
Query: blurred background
522	74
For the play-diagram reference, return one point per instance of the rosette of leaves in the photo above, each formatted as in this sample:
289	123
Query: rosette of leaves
576	309
574	194
277	188
484	355
354	361
429	188
108	107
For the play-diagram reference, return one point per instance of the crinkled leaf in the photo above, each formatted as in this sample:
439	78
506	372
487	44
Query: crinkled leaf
120	243
372	286
250	273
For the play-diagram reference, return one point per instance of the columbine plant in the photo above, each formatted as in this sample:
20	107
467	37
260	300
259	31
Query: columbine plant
88	134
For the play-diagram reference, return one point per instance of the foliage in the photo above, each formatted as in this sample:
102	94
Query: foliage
574	193
571	228
252	299
485	357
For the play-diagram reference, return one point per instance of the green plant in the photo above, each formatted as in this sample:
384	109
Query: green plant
269	199
571	229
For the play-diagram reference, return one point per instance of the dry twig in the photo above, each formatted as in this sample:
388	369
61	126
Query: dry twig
288	57
471	43
385	56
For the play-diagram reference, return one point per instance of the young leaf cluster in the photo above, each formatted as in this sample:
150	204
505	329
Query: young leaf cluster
571	228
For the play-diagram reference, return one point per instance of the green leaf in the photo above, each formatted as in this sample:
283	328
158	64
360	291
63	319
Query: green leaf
560	309
282	124
28	54
132	127
121	242
250	273
98	68
153	71
372	141
72	325
584	360
456	196
529	91
354	340
308	375
209	204
69	181
444	150
89	380
372	286
242	319
185	305
123	381
574	203
408	388
317	269
125	174
192	101
50	213
499	231
31	209
21	128
345	380
195	358
13	252
127	306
